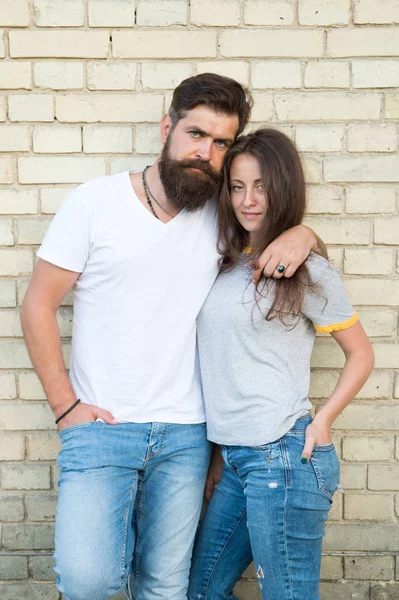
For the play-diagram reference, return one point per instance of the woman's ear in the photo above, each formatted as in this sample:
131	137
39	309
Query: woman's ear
166	126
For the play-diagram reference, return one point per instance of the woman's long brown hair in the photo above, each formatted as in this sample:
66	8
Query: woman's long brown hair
285	190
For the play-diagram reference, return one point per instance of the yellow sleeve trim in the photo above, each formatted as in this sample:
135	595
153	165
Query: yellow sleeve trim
337	326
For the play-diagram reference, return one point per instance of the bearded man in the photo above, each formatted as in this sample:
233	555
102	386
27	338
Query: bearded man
140	251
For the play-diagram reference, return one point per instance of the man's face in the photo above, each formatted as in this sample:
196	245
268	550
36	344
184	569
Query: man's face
193	154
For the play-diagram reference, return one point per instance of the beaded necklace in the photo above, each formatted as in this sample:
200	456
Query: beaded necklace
147	195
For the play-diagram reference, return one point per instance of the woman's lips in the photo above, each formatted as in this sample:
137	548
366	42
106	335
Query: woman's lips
249	215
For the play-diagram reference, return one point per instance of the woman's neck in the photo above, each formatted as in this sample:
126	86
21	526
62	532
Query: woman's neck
251	239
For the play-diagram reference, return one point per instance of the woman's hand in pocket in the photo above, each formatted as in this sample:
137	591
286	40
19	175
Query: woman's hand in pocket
317	434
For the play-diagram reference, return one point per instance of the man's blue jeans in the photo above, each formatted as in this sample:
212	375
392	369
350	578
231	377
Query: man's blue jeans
269	506
128	490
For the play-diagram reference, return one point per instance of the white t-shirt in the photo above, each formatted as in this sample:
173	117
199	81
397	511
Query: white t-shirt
141	287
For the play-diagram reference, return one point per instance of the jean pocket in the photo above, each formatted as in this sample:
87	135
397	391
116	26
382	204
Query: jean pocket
74	427
325	463
322	447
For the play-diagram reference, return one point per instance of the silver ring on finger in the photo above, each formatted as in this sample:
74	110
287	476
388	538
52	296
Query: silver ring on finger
280	269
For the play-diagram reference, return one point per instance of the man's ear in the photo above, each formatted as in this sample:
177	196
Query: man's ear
166	126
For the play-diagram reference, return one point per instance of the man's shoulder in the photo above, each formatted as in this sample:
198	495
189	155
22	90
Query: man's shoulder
101	187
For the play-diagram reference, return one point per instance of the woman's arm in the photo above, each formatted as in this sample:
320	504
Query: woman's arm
358	366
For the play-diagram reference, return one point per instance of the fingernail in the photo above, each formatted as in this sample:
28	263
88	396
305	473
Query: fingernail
304	460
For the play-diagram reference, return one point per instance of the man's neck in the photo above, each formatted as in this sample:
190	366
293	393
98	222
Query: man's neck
154	185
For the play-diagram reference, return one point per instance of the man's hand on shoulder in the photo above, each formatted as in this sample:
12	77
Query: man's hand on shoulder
288	250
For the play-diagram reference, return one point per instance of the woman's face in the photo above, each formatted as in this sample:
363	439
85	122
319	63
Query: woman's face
247	193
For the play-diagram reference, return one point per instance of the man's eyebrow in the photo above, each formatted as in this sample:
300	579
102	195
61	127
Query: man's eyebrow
196	128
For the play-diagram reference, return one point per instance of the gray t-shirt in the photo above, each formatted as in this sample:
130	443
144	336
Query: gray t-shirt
255	373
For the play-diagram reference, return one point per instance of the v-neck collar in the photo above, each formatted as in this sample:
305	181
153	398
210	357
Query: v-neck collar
157	222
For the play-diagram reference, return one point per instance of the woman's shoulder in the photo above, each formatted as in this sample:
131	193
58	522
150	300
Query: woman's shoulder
320	269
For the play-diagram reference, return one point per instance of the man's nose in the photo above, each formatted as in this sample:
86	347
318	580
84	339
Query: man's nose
204	150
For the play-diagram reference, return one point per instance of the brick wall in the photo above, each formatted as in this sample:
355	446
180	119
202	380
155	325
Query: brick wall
83	85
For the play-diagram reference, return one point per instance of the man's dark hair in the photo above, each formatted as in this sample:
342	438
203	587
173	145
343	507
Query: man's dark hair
221	94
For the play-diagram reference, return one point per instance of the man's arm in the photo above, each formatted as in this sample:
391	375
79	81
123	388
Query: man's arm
290	249
47	288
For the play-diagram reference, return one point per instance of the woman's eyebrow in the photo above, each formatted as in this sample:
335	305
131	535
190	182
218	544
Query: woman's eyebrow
255	180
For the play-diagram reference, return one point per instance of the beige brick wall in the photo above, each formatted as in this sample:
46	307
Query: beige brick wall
83	85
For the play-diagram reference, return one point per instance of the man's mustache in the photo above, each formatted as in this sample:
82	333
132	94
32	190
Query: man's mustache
202	165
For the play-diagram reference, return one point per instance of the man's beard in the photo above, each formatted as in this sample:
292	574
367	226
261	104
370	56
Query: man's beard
184	187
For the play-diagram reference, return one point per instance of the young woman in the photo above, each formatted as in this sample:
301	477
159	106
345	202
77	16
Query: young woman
280	465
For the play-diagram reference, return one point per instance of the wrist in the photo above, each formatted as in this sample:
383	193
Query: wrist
323	419
67	411
313	240
60	407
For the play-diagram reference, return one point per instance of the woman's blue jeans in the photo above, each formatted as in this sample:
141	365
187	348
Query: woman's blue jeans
129	502
269	506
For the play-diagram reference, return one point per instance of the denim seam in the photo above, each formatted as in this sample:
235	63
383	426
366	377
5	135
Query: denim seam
162	441
123	577
221	552
139	526
287	468
150	454
232	465
286	462
149	445
289	589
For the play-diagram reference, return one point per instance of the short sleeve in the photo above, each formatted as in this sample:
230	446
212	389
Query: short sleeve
327	306
68	240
